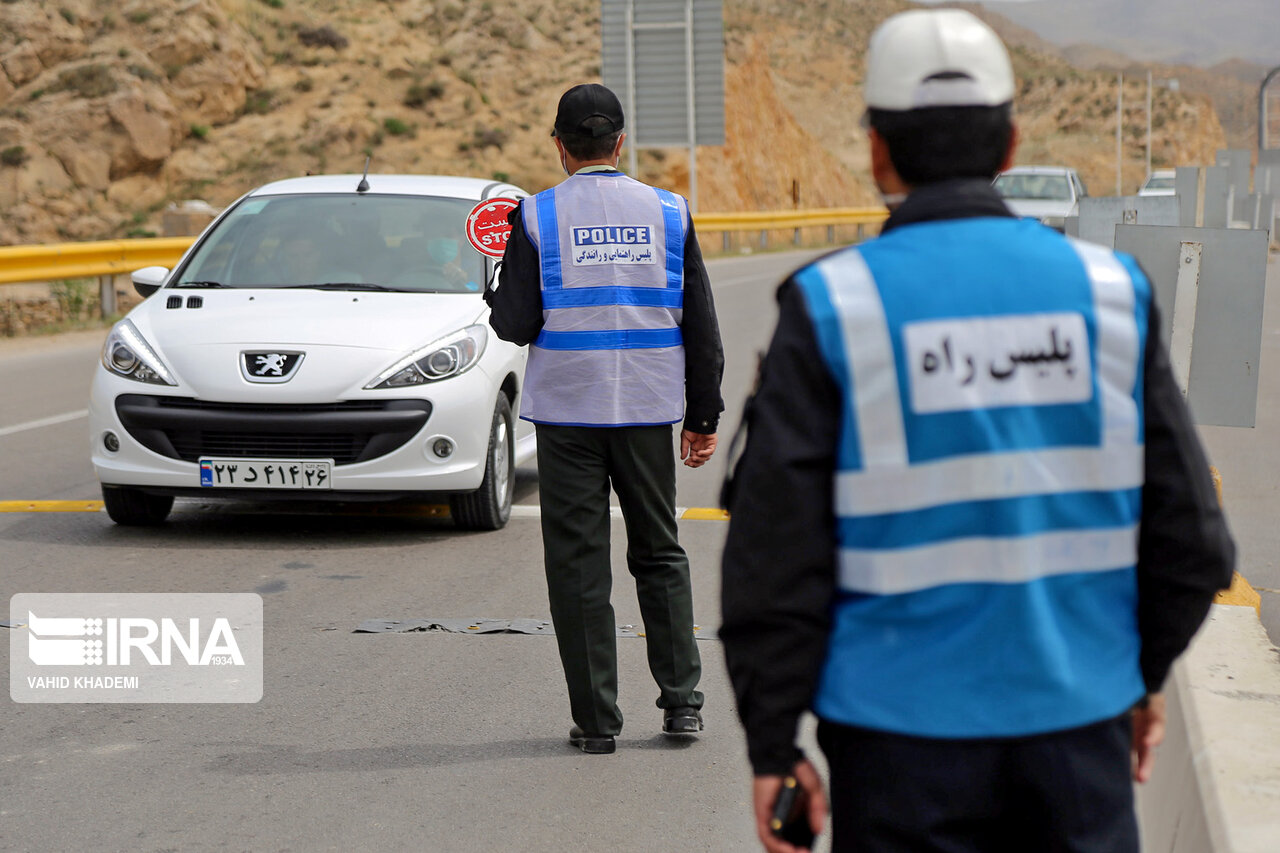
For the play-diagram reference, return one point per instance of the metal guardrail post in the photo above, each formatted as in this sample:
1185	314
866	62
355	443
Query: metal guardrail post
106	295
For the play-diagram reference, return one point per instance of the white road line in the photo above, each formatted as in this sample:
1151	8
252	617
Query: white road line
44	422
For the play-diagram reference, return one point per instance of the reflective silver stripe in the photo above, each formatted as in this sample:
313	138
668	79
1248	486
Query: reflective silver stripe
989	476
987	560
869	354
608	317
1117	340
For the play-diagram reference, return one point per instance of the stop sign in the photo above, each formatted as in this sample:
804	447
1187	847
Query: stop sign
487	226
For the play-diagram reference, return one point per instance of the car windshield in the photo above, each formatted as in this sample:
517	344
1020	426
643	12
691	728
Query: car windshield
1159	182
340	241
1038	187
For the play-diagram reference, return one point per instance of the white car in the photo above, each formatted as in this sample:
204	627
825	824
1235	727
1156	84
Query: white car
1159	182
1047	193
324	338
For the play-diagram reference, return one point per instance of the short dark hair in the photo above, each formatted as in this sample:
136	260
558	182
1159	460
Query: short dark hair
581	147
934	144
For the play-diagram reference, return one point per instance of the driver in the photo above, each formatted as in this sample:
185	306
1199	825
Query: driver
431	260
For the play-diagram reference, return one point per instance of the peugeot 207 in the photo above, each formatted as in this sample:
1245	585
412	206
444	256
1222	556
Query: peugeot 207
324	339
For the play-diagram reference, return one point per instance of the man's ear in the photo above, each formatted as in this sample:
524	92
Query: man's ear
617	149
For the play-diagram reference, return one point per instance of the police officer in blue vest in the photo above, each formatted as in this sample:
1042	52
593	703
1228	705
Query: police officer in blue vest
972	526
603	279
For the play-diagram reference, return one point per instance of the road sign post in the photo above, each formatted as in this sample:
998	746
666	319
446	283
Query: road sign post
666	59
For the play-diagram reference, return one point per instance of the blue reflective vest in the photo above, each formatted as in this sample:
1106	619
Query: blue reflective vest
610	353
989	478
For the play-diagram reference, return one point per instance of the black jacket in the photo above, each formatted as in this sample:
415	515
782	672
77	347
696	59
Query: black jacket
779	558
517	317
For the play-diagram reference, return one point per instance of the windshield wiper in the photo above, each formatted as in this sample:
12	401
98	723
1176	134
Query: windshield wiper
342	285
200	284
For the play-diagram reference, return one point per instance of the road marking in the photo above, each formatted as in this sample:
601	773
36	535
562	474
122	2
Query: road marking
696	513
44	422
50	506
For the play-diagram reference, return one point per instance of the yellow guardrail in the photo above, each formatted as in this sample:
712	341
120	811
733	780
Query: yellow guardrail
58	261
779	220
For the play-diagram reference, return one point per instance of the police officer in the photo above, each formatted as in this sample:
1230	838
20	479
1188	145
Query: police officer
603	278
972	526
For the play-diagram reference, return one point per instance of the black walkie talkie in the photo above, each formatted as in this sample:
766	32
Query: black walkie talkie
791	828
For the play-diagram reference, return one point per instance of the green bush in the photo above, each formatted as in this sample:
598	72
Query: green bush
87	81
199	131
325	36
421	93
395	126
260	101
72	297
494	137
14	155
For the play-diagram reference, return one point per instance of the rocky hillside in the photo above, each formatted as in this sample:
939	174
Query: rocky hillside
111	110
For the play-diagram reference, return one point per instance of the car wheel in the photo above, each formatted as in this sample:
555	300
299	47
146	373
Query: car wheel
489	507
135	507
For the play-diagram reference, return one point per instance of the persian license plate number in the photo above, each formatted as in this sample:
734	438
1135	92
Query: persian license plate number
265	473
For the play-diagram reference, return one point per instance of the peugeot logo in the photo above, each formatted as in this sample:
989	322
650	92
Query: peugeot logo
270	365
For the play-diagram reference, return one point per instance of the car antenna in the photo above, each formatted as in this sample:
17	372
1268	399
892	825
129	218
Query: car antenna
363	186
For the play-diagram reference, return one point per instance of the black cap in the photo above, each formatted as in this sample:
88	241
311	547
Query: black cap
585	101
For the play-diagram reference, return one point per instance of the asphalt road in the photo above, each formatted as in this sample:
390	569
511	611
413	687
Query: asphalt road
435	742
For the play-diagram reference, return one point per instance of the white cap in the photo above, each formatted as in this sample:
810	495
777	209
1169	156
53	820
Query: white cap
936	58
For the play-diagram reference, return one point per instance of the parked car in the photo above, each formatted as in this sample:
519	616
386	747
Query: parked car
1159	182
323	339
1047	193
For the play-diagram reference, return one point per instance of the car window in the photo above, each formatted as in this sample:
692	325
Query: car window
1034	187
413	243
1159	182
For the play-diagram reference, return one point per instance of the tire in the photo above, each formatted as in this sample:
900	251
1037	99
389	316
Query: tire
489	507
134	507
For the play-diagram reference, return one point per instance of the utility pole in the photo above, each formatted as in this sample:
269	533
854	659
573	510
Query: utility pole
1148	122
1119	125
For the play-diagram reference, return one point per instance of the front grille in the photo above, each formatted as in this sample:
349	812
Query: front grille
342	448
346	432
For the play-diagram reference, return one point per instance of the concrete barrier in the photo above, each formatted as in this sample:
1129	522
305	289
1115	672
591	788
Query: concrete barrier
1216	785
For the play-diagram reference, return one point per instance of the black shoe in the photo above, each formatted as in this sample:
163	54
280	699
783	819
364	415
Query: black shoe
681	721
592	744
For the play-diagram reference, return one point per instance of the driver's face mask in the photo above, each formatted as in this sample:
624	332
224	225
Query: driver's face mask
442	250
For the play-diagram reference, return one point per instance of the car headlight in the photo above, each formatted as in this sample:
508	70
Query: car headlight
440	359
126	353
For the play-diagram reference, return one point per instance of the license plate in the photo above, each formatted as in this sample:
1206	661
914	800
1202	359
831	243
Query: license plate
265	473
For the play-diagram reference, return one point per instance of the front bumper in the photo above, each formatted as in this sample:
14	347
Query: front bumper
380	442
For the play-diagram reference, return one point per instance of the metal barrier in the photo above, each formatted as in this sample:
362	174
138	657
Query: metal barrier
59	261
789	220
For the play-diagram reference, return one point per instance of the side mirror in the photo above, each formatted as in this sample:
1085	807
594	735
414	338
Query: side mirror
147	280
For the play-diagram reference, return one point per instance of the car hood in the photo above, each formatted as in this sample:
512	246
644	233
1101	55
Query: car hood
263	317
347	336
1038	208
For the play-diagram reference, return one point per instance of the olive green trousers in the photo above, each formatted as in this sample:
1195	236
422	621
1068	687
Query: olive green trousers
576	467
